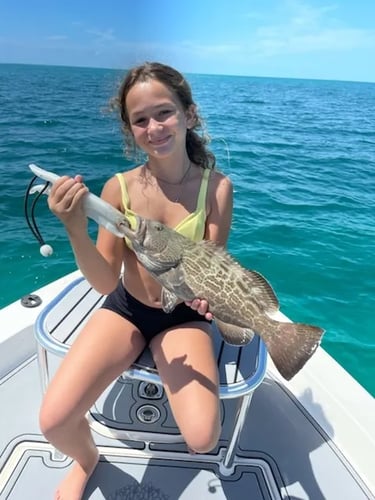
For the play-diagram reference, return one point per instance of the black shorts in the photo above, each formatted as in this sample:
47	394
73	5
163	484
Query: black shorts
149	320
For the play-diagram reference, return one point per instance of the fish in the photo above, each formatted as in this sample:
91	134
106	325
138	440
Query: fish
242	301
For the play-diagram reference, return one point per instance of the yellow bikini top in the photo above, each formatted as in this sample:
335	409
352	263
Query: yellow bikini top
193	226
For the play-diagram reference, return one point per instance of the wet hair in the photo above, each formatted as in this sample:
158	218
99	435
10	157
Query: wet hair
196	139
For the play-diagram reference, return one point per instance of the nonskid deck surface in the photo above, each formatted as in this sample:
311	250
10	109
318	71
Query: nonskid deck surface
281	453
132	474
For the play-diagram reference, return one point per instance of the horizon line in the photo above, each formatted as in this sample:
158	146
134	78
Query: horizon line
77	66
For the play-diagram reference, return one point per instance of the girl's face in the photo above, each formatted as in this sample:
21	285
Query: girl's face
157	120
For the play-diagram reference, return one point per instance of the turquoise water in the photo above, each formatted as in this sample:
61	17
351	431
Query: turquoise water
301	155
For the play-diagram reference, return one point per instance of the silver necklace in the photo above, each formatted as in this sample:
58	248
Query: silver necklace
180	183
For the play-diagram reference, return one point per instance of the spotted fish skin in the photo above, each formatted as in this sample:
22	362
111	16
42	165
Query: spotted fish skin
241	300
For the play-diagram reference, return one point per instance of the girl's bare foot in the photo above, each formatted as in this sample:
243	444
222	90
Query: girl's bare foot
74	484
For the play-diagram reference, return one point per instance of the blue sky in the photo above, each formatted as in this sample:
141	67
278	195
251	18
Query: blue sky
282	38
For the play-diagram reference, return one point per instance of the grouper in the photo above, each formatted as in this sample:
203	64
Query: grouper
242	301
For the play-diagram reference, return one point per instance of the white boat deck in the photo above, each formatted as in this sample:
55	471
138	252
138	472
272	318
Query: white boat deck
288	448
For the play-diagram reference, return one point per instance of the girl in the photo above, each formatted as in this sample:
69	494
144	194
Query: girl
178	186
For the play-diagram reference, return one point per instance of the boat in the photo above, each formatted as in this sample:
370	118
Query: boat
310	438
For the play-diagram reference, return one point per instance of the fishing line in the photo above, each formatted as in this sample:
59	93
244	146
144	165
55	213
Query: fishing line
45	250
226	148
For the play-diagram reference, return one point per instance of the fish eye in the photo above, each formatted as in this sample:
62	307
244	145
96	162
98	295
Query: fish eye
159	228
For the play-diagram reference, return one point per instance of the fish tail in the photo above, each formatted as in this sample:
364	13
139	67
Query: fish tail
292	345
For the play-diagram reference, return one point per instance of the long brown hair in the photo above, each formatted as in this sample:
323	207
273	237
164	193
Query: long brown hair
195	142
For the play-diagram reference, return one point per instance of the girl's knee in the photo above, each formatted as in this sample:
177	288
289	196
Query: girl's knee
52	418
48	419
203	439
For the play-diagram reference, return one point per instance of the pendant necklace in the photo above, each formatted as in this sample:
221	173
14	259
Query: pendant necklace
180	183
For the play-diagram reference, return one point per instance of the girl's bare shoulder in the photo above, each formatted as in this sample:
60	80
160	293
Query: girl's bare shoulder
130	175
220	184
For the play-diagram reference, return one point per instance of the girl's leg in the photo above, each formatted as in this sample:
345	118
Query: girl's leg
106	347
187	366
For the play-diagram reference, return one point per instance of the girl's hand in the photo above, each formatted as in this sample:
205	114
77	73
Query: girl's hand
65	201
201	306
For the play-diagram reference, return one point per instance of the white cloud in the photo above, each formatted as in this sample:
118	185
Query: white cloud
204	50
275	42
303	14
56	38
306	29
295	28
102	35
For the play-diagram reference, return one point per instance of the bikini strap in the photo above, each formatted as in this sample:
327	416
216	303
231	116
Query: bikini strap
124	191
201	204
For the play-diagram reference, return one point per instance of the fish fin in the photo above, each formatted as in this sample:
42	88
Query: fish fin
263	291
169	300
175	287
232	334
292	345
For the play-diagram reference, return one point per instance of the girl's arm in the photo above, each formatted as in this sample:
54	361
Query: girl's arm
220	209
101	263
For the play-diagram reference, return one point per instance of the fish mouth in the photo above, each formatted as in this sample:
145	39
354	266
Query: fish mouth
140	232
135	235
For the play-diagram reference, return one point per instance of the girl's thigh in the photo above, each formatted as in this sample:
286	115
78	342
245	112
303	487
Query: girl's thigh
187	366
107	345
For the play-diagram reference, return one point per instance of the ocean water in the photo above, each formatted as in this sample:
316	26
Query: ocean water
301	155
